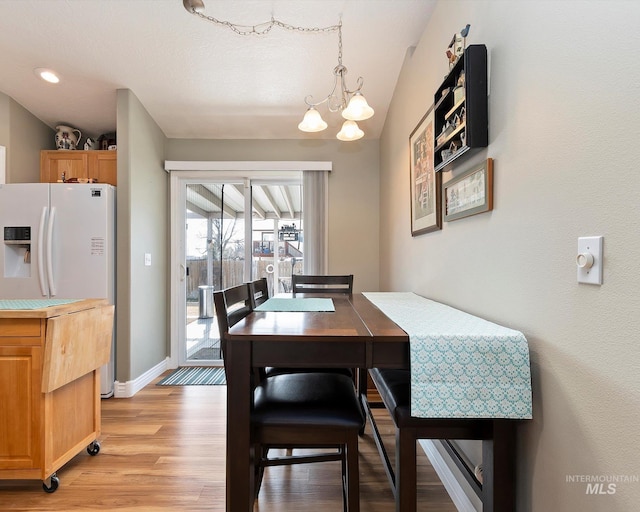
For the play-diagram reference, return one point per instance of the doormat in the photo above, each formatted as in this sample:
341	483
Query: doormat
195	376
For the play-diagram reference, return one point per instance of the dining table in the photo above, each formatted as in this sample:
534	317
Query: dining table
356	333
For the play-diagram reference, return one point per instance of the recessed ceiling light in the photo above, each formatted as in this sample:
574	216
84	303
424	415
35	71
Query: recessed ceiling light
47	75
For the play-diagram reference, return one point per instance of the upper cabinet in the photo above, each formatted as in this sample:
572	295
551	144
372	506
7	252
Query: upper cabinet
460	108
61	165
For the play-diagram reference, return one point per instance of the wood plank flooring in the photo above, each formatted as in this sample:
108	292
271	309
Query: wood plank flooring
164	450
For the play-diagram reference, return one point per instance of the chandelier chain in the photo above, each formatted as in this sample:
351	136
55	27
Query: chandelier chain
340	99
265	27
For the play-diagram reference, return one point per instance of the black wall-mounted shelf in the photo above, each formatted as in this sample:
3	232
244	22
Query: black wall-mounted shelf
472	128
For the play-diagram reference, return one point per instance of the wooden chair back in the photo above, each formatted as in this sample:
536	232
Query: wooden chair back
259	292
322	285
232	305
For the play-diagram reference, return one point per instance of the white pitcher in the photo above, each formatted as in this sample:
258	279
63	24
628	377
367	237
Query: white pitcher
66	137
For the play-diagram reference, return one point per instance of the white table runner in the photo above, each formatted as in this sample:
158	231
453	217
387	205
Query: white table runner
462	366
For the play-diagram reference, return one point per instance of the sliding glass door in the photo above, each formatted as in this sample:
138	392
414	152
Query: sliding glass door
214	259
277	237
233	231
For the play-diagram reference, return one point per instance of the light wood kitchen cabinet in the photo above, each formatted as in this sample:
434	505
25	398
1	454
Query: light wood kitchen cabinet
50	360
97	165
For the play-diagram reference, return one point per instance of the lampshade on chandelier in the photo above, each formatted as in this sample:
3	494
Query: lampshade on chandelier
350	103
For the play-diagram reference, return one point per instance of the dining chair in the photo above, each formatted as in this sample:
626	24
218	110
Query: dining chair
327	286
259	295
322	285
259	292
298	410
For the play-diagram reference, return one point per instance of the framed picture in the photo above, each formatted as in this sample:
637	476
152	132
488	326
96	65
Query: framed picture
469	193
426	206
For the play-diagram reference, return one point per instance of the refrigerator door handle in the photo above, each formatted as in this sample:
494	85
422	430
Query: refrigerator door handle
52	284
41	279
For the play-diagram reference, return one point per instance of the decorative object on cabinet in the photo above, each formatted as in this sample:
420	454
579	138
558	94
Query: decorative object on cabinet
444	133
458	94
469	193
457	45
463	93
105	140
80	166
425	182
88	144
66	137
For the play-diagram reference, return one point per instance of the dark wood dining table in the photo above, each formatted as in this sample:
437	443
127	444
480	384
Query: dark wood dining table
356	335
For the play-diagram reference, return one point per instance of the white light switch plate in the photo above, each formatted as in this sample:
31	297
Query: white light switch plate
590	245
147	259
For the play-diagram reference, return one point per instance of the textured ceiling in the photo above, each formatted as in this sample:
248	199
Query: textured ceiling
197	79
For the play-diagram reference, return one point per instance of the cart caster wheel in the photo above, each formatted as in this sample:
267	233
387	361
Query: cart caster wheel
93	448
55	483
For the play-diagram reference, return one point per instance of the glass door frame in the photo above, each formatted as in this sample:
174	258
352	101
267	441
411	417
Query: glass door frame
184	172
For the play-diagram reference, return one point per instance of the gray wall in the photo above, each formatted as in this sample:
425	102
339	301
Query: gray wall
563	111
23	135
4	121
142	291
353	192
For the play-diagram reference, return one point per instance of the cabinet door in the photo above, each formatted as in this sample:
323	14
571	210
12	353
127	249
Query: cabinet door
103	166
20	412
53	164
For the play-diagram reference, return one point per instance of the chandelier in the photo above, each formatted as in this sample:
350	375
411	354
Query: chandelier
350	103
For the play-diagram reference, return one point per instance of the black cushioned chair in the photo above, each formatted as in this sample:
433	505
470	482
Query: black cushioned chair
497	489
299	410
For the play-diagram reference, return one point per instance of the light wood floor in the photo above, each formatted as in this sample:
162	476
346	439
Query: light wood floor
164	450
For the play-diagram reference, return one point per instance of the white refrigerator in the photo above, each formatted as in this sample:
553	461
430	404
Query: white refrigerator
59	242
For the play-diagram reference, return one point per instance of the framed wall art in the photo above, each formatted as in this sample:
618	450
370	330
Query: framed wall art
470	193
426	207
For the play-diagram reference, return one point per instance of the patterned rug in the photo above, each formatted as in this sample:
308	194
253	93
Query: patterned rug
195	376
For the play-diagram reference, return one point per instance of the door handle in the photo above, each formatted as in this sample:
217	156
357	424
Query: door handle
40	252
52	284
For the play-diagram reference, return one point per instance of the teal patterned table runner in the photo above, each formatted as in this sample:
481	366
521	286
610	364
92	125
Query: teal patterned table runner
462	366
297	304
33	303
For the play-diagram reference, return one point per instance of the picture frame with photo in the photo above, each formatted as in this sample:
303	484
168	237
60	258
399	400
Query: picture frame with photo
469	193
426	207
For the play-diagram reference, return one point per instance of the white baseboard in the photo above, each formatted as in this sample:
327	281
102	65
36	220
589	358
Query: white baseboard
451	481
131	387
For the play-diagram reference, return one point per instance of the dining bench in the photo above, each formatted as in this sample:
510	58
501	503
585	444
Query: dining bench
469	380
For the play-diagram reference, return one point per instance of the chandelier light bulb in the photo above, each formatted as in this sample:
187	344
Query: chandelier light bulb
312	121
358	109
350	131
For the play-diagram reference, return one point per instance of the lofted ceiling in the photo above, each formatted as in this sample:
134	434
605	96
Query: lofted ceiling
197	79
